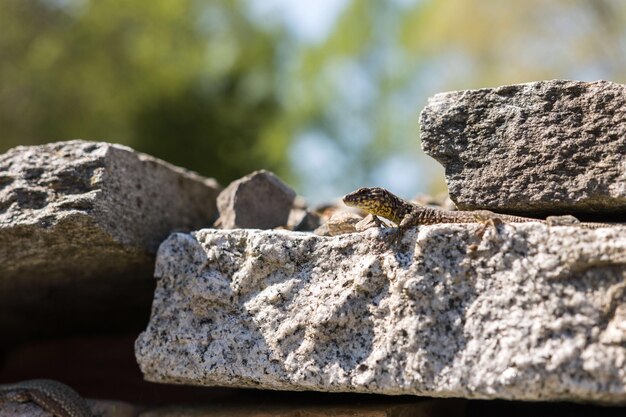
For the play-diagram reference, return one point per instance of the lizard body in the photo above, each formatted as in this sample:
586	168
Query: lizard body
380	202
52	396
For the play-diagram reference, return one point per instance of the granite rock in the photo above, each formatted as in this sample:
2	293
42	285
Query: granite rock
549	147
80	223
259	200
524	311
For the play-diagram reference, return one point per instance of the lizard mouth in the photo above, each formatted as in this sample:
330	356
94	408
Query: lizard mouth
376	201
354	198
368	199
348	199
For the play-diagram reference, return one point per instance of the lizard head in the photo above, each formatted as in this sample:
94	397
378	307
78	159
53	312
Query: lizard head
376	200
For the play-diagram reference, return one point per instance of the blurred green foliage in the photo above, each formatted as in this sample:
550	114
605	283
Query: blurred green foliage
191	82
224	87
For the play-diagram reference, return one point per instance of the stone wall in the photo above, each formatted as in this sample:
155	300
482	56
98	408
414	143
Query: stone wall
256	289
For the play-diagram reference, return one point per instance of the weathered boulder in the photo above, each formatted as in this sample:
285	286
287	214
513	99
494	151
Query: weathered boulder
524	311
549	147
259	200
80	223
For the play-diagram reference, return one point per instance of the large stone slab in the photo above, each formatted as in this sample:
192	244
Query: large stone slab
551	147
522	312
80	223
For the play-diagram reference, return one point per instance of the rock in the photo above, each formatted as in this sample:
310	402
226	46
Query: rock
80	223
524	312
442	201
549	147
370	221
257	201
302	220
340	222
566	220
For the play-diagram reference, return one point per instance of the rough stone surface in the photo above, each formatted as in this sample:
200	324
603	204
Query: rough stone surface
80	223
523	312
257	201
550	147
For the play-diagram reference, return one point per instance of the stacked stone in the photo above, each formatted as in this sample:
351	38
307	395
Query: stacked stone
525	311
251	298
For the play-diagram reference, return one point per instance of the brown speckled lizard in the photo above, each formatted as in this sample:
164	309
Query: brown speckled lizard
380	202
52	396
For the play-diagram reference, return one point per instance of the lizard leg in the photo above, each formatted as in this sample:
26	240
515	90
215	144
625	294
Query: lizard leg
410	220
377	221
368	222
486	218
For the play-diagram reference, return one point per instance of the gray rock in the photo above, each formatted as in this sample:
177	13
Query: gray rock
524	312
340	222
80	223
257	201
549	147
303	220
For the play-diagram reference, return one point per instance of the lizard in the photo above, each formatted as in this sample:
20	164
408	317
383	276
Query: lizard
53	396
381	202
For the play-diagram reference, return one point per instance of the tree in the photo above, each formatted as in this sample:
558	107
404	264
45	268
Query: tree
188	81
